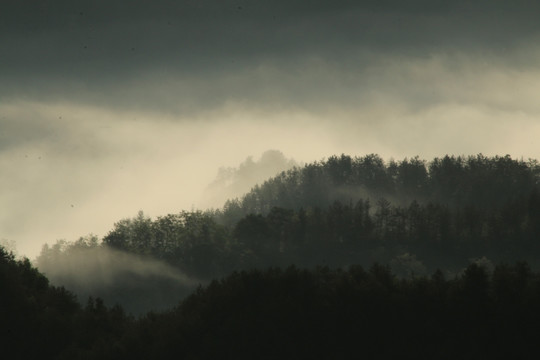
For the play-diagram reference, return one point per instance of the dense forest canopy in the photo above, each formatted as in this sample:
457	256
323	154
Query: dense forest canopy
449	208
477	181
413	215
285	313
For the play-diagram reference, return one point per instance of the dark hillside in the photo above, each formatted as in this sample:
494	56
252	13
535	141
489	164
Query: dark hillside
293	313
290	314
40	321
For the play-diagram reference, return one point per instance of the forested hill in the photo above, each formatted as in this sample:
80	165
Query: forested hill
349	210
286	314
477	181
413	215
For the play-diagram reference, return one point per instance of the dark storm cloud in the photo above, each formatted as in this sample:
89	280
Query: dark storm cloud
100	50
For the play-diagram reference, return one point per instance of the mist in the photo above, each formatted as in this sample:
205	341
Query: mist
233	182
136	283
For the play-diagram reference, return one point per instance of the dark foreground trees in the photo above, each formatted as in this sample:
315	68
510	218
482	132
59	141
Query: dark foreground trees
349	314
287	314
40	321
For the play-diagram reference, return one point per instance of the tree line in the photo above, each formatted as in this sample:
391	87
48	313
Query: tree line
478	181
416	215
285	313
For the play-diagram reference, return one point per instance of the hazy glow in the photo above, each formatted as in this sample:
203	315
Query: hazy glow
74	165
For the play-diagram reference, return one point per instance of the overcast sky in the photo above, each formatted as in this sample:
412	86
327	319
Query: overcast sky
110	107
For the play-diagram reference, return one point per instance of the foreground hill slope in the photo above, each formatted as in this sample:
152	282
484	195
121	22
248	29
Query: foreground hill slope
352	314
40	321
290	314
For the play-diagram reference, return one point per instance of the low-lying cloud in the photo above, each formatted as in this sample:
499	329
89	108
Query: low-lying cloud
233	182
138	284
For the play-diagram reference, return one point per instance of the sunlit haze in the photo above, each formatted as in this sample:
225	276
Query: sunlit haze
105	111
